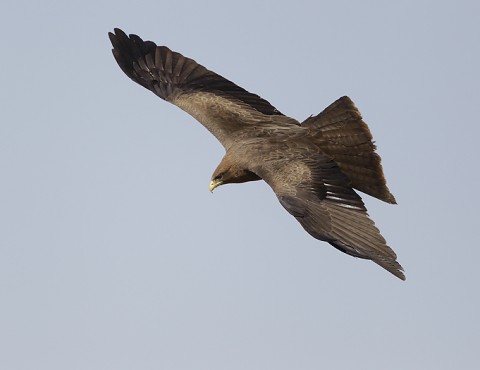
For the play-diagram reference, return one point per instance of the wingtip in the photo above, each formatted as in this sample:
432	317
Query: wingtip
117	37
112	37
400	272
391	199
401	275
119	32
393	267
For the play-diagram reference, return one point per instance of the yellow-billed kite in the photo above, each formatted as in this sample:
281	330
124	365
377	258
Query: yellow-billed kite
312	166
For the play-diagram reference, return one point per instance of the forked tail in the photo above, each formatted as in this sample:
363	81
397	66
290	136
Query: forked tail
342	134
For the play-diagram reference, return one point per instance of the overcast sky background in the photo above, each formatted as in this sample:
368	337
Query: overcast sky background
113	253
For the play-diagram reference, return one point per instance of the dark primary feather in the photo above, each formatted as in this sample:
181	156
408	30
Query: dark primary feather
164	71
220	105
312	167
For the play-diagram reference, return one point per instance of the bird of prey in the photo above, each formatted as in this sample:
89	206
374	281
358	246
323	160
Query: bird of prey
313	166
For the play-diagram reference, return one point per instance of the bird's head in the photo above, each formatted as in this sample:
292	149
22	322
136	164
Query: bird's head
224	174
229	172
216	181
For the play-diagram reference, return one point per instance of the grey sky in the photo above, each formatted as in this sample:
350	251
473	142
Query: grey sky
113	253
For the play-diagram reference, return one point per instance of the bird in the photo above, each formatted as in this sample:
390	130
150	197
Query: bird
313	167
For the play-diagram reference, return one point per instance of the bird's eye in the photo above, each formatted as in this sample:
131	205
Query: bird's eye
219	177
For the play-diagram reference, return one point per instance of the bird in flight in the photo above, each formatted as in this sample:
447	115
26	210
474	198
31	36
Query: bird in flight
312	166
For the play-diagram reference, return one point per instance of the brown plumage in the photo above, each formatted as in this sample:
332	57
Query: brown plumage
312	166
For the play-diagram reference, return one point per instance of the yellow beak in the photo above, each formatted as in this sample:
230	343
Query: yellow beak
214	184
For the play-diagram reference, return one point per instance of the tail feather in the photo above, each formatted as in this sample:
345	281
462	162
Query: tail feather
341	133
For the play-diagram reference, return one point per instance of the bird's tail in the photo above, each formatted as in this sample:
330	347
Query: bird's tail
342	134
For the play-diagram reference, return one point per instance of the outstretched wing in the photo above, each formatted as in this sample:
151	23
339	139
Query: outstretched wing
224	108
341	133
318	194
